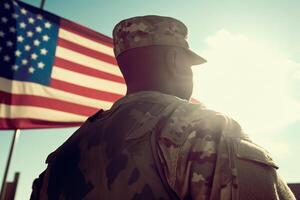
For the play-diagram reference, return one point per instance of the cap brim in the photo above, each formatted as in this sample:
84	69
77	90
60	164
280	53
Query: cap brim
195	58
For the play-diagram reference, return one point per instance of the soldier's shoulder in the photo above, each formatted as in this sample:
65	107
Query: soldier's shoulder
190	114
185	119
84	131
190	119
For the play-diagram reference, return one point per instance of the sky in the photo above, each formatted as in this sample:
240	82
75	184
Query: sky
252	73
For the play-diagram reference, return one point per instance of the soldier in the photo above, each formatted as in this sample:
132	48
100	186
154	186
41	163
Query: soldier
153	143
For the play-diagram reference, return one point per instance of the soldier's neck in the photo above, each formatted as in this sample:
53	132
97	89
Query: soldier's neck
132	91
140	88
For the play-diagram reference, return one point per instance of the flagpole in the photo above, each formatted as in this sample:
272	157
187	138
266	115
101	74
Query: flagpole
14	140
42	4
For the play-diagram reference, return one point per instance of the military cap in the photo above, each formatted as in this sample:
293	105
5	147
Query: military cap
152	30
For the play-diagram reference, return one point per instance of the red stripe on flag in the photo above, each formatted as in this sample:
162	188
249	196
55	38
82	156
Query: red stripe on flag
62	63
44	102
86	51
86	32
27	123
84	91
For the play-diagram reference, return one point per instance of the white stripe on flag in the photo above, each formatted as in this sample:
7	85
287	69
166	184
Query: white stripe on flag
87	61
31	112
88	81
85	42
28	88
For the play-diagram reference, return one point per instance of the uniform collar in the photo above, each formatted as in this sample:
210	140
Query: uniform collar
145	96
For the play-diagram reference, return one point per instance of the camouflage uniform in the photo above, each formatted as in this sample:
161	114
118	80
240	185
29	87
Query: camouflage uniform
165	145
151	145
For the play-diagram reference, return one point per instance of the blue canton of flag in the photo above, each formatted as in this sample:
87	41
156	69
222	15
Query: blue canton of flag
53	72
27	42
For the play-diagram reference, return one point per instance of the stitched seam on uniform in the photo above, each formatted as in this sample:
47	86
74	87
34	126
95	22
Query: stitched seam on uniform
141	120
175	175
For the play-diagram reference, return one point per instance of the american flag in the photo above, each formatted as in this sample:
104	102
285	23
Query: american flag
53	72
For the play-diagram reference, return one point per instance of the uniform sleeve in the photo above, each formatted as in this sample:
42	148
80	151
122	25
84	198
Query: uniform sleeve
284	192
196	164
188	151
189	158
256	173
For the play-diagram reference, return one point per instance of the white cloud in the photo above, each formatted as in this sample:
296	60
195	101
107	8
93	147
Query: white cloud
249	81
296	76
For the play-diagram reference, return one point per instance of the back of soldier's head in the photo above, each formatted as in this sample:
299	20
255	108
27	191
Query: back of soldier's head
153	53
144	61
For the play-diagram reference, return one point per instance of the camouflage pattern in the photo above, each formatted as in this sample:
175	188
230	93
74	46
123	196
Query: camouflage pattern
167	148
148	31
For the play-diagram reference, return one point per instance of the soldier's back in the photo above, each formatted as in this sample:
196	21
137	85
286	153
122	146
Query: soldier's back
147	146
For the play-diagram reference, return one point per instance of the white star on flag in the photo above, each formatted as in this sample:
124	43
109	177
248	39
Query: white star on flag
36	42
47	25
9	43
38	29
18	53
4	19
27	47
24	62
39	16
30	20
12	29
20	38
6	6
29	34
14	15
22	25
23	11
34	56
41	65
44	51
31	70
15	67
6	58
46	38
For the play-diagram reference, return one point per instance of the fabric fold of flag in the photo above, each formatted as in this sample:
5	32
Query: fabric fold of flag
54	72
